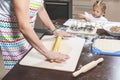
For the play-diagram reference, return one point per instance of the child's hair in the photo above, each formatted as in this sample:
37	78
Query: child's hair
99	3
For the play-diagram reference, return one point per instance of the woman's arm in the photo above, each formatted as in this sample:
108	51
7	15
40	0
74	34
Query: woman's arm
23	17
22	12
43	15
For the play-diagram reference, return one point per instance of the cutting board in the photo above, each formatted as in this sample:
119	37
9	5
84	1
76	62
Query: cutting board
81	22
71	46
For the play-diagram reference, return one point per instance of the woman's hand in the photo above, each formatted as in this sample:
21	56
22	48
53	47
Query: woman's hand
57	57
62	34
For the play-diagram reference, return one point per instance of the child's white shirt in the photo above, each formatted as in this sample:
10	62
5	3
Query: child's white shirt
93	19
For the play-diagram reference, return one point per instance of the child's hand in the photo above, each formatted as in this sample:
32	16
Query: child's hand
88	19
81	15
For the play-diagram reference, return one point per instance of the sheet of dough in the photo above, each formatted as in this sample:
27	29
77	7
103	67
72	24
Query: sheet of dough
72	46
107	45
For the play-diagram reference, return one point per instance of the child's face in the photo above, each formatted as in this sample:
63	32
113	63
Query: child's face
97	12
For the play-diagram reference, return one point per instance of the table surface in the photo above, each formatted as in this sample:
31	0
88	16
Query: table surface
107	70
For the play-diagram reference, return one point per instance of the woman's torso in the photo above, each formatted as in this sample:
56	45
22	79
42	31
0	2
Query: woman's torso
7	9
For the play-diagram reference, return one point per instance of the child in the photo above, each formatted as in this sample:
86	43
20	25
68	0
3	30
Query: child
98	13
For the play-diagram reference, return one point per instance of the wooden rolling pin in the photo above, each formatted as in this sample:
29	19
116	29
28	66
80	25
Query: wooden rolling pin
87	67
56	45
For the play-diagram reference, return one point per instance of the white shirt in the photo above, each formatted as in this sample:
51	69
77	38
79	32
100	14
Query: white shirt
93	19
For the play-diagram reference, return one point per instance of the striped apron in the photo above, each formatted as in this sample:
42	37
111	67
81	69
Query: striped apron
12	43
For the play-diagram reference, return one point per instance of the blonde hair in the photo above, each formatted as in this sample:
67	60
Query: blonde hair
100	4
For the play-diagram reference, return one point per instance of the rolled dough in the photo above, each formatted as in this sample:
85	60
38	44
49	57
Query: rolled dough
107	45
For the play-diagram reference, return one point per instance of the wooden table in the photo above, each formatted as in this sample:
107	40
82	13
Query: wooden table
107	70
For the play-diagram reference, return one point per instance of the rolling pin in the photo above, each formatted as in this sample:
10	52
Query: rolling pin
56	45
87	67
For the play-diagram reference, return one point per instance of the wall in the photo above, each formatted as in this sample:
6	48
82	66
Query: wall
80	6
113	11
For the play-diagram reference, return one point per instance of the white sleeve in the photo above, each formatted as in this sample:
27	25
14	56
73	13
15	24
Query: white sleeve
86	13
